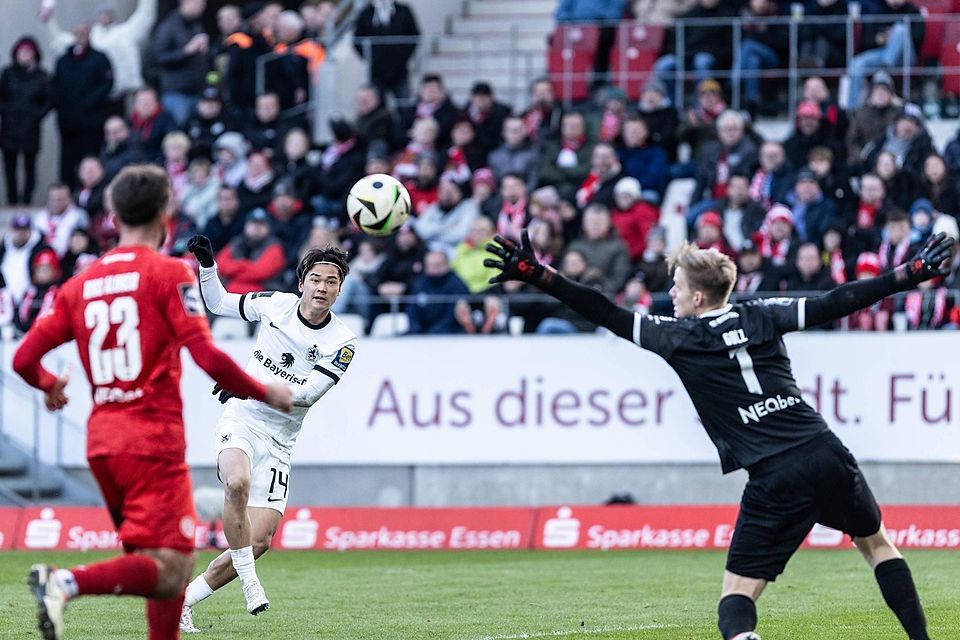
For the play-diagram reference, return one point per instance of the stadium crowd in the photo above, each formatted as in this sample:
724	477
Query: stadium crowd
848	194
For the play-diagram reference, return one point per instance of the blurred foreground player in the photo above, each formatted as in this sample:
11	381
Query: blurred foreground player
130	312
733	363
301	343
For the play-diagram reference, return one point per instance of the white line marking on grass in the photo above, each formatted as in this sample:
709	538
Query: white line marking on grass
577	632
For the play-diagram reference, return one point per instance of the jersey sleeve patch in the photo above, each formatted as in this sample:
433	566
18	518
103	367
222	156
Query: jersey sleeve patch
190	297
343	358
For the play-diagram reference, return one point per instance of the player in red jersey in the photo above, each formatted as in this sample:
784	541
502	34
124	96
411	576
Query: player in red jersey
130	312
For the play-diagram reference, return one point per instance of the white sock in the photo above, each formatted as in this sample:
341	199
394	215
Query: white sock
197	590
243	563
67	582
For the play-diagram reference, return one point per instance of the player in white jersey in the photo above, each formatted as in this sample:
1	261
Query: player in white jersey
299	342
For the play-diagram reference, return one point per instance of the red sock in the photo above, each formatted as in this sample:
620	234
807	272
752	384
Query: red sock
129	575
163	618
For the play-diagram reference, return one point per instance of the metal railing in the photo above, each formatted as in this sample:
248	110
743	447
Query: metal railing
661	303
23	403
790	70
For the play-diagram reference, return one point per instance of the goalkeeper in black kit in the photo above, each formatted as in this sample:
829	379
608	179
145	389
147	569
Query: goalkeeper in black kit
733	363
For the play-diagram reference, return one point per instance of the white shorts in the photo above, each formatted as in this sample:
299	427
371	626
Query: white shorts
269	464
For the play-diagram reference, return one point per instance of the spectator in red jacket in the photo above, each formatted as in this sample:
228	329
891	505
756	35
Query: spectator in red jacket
632	216
251	261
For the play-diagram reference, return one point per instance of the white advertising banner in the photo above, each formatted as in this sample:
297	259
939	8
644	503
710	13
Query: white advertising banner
557	400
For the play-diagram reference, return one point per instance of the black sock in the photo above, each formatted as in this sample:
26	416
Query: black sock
737	614
900	594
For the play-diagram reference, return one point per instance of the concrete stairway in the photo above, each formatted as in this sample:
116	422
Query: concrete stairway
503	42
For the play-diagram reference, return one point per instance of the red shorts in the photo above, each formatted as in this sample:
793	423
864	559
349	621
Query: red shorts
150	500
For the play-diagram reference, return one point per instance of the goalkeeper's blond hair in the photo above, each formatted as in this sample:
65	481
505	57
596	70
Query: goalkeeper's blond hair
707	270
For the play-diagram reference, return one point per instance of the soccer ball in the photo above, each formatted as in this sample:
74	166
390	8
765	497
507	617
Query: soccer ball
378	204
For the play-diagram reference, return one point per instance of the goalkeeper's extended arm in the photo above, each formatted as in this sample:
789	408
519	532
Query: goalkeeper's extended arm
931	261
518	262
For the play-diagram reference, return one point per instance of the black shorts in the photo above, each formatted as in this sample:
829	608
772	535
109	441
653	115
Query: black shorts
817	482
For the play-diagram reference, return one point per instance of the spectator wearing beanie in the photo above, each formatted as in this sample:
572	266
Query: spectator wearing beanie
252	261
776	238
661	116
45	275
709	229
631	216
810	131
872	119
812	211
876	317
25	100
230	152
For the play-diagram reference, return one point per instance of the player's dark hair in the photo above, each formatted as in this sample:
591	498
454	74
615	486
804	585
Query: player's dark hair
431	77
139	194
707	271
330	254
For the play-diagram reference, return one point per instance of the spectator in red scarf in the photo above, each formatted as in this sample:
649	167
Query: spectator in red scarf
462	155
632	216
635	295
606	120
700	124
869	212
732	152
487	116
542	119
816	90
482	185
896	247
929	306
605	171
876	317
565	163
509	209
773	178
832	255
710	234
423	187
423	139
776	239
433	102
149	123
753	272
176	157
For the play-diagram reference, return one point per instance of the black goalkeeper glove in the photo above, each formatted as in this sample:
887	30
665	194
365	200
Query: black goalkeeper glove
224	394
200	247
931	261
517	262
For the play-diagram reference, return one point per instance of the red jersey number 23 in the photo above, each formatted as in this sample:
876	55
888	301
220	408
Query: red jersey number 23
124	361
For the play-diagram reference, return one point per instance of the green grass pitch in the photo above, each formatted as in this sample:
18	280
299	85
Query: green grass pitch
507	595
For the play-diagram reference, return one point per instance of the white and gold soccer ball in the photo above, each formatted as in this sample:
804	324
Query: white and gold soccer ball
378	204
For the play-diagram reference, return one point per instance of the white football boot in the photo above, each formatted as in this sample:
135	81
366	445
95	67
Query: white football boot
51	601
256	598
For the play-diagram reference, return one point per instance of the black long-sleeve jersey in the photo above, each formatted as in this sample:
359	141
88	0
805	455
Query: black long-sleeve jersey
732	361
